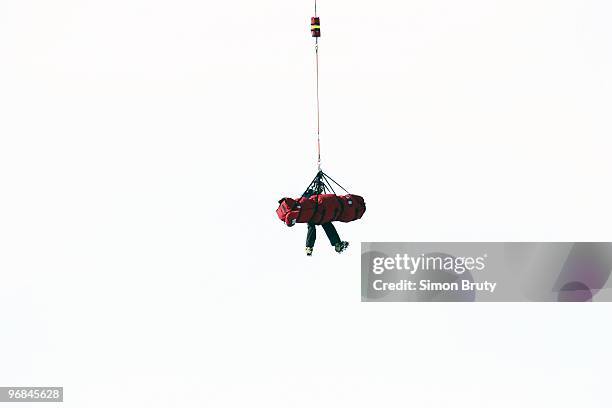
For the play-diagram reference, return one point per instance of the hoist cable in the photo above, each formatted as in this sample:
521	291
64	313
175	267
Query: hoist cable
318	104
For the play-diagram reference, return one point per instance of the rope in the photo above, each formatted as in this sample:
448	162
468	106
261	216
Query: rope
335	182
318	108
328	183
322	183
311	185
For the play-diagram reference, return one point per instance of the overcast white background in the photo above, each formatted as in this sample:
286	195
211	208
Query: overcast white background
144	146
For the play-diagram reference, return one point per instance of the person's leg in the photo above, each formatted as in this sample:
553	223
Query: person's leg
334	238
311	235
332	234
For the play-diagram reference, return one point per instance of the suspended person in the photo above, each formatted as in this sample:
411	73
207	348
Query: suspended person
330	231
289	214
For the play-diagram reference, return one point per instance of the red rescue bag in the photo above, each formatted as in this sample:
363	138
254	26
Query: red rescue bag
321	209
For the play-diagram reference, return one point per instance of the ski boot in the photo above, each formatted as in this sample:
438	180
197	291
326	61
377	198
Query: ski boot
341	246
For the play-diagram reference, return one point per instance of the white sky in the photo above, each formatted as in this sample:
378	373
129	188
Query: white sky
143	147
